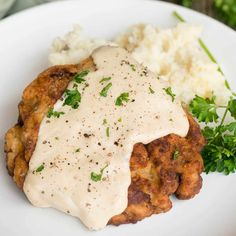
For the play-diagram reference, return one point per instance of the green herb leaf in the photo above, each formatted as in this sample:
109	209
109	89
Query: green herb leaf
77	150
204	109
97	177
208	133
231	127
104	79
72	98
79	78
232	107
170	93
108	132
133	67
124	97
151	90
104	121
219	154
40	168
175	154
53	113
104	91
120	120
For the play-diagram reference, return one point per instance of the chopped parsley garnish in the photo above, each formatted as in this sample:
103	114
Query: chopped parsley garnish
124	97
40	168
151	90
108	132
219	154
107	129
53	113
72	98
104	91
170	93
77	150
120	120
133	67
79	78
97	177
104	121
175	154
104	79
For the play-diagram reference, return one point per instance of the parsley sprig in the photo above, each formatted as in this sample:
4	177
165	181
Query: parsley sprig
176	154
53	113
104	79
124	97
40	168
170	93
104	91
98	176
219	154
204	109
72	98
79	78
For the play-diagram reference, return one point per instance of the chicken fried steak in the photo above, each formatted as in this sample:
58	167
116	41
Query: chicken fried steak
169	165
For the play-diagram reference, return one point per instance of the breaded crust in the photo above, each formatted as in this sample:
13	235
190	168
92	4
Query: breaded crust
156	172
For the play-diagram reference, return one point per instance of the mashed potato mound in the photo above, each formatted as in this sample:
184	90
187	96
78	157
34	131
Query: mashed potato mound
173	54
73	48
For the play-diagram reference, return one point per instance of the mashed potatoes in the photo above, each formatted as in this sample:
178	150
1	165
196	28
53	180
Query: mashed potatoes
73	48
173	54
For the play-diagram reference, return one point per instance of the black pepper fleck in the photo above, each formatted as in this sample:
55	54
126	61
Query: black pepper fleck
87	135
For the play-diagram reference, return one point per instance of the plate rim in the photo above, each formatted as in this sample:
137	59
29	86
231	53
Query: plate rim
11	18
35	9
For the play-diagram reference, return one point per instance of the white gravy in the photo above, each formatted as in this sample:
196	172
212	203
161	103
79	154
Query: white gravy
99	134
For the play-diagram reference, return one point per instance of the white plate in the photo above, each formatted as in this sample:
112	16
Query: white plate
24	42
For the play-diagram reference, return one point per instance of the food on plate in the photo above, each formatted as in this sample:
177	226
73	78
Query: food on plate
220	151
104	137
177	55
173	54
